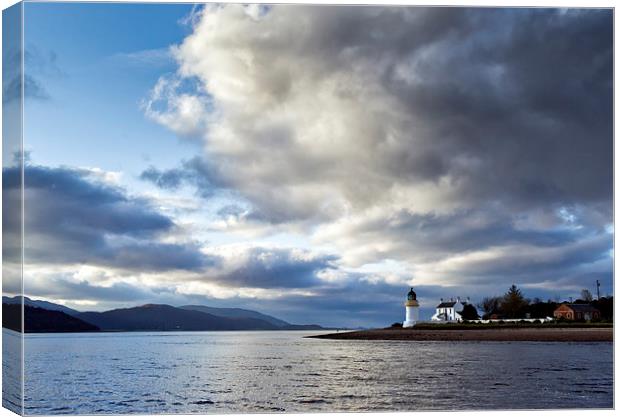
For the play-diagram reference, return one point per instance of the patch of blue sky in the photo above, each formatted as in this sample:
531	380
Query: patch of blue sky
108	57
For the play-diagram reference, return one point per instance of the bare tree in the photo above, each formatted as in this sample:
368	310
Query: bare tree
586	295
490	305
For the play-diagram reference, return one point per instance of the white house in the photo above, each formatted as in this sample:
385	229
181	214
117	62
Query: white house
448	311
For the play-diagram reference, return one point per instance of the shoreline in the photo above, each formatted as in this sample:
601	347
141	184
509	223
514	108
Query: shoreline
159	331
528	334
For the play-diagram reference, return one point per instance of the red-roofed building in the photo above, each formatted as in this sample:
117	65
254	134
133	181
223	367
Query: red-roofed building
576	312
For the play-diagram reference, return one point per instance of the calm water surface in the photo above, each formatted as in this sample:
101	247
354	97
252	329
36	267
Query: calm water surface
216	372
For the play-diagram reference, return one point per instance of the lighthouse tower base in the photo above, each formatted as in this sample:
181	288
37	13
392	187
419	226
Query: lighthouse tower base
411	313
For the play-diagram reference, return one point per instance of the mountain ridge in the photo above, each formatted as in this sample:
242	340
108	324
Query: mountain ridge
234	312
158	317
163	317
47	305
39	320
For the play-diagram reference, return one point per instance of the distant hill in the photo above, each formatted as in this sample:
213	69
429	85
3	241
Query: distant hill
39	320
242	313
161	317
237	313
39	303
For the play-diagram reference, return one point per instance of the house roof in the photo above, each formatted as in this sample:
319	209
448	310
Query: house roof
581	308
446	304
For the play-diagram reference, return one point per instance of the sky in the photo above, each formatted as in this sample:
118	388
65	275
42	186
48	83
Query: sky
314	162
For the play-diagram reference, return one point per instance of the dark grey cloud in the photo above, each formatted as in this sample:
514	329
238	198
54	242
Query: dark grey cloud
354	305
528	95
194	172
55	288
109	296
435	235
72	218
272	268
531	266
167	180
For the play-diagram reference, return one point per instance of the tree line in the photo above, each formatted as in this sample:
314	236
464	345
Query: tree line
514	305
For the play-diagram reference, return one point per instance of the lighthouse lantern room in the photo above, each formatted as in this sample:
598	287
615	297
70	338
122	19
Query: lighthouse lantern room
411	309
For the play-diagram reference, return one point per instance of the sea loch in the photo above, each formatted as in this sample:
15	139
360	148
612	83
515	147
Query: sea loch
218	372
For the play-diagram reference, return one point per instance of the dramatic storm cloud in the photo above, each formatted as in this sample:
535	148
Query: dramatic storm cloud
328	111
466	146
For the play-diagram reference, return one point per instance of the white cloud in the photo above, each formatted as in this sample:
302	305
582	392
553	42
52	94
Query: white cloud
398	135
145	57
185	114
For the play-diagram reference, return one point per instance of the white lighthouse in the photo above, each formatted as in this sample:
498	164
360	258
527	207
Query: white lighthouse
411	309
